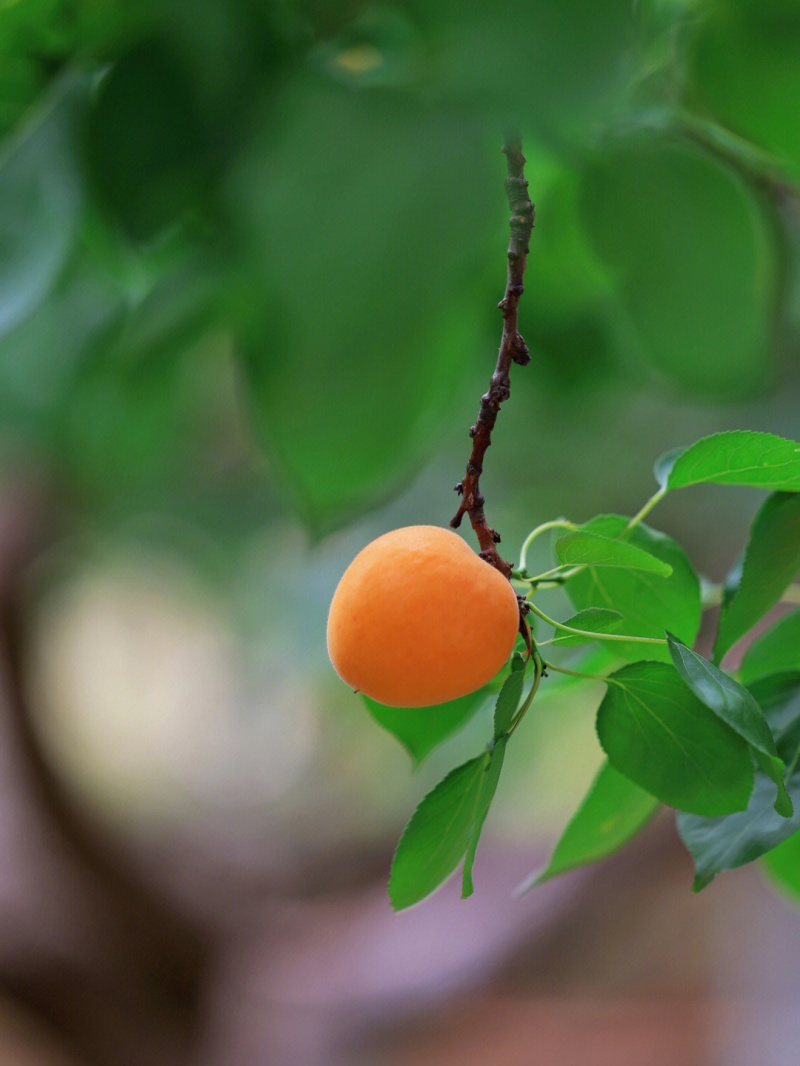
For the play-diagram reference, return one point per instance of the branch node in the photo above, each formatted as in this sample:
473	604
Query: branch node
521	355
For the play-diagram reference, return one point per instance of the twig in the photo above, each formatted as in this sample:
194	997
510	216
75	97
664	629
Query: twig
512	350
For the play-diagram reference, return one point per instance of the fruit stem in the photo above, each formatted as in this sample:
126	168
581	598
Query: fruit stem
512	350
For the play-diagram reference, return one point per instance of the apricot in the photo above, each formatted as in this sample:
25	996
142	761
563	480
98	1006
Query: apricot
419	618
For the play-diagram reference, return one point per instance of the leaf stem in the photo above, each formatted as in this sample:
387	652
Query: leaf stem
588	633
538	670
557	579
645	511
577	673
556	523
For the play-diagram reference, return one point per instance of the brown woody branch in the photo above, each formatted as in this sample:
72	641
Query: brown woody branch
512	350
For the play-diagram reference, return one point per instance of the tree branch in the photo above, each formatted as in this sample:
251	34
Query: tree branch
512	350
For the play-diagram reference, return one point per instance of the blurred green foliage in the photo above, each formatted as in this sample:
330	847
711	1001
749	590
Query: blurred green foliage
276	230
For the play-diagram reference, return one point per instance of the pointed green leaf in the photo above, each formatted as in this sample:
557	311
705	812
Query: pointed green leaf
592	620
732	702
649	603
508	700
774	652
491	777
771	563
445	826
661	736
613	811
437	836
739	457
592	549
421	729
735	705
723	843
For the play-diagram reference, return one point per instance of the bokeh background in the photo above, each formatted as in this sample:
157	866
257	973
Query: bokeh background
250	255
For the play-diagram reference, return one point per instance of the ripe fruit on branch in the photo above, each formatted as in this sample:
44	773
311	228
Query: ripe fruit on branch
419	618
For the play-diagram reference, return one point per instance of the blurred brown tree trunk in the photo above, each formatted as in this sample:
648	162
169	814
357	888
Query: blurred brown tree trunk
111	970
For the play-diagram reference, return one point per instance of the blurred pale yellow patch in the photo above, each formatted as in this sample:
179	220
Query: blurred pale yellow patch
359	58
148	702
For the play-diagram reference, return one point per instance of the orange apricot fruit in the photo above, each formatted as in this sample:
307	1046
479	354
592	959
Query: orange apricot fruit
419	618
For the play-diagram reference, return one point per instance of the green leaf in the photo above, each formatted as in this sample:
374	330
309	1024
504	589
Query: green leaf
490	780
743	67
440	831
377	374
661	736
565	274
576	67
771	563
593	620
508	700
40	203
649	603
135	425
739	457
83	310
592	549
613	811
145	144
692	251
421	729
735	706
774	652
725	697
782	864
723	843
21	80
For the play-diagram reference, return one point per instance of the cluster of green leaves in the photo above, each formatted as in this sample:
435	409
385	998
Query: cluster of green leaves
277	225
217	182
720	747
